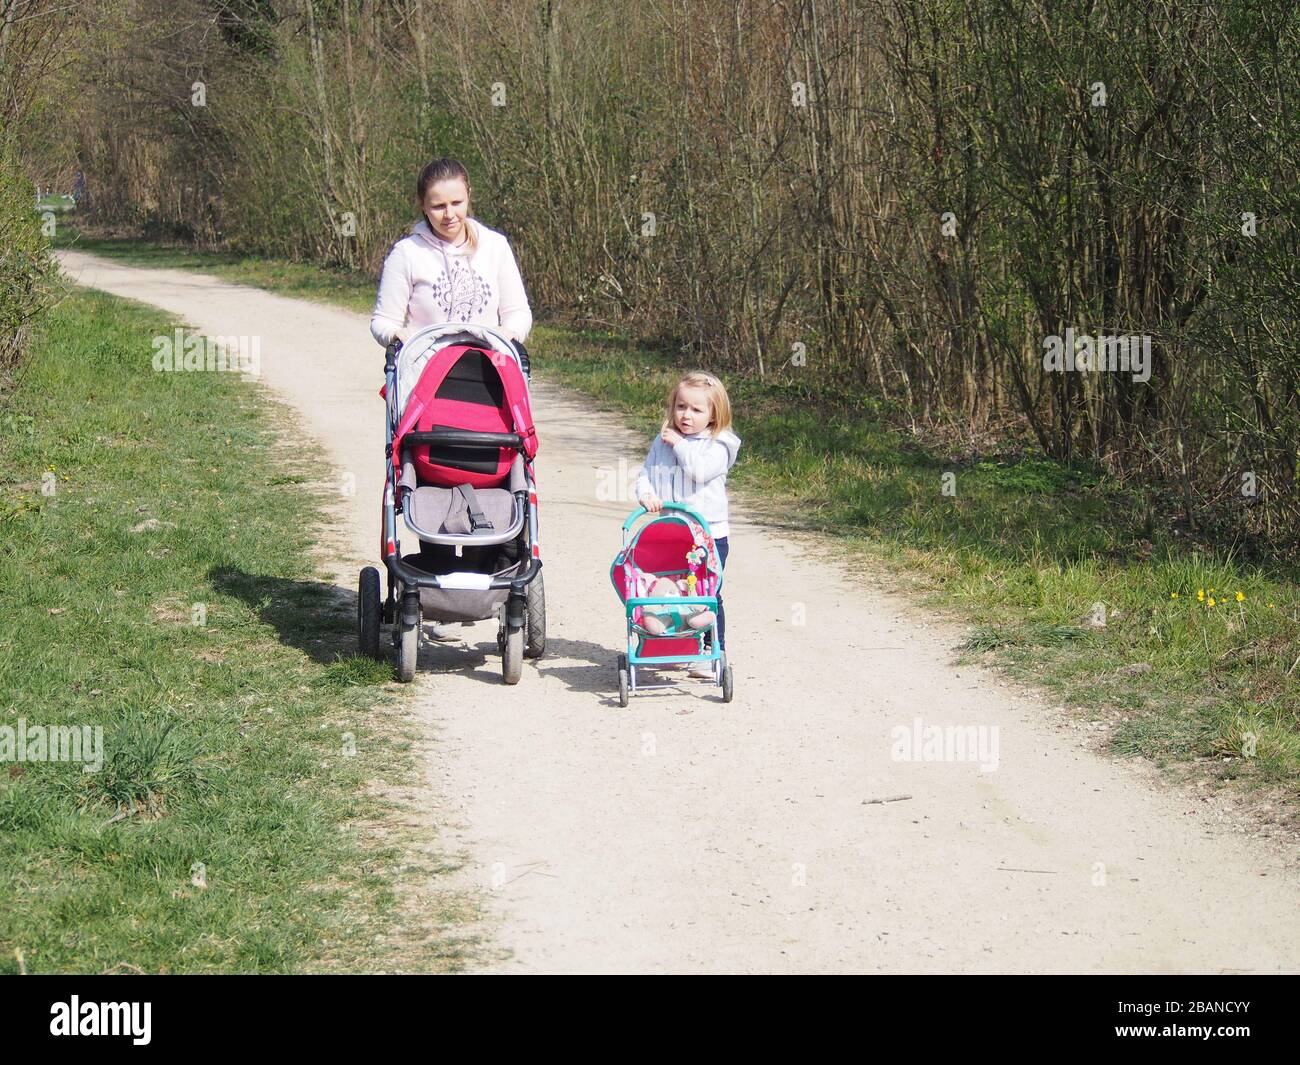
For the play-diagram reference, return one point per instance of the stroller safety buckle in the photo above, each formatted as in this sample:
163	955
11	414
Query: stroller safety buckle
478	521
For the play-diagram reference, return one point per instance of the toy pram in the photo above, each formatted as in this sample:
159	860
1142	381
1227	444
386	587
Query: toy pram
676	543
460	453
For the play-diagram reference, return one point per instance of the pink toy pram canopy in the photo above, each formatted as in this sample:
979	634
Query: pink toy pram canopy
675	544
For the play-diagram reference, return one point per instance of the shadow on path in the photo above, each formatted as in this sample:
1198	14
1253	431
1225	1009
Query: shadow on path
316	617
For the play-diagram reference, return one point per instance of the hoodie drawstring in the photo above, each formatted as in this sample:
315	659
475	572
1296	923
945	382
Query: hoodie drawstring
446	263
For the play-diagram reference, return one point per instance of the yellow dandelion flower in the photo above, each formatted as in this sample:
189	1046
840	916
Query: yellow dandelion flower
1211	602
1240	598
1173	595
1200	594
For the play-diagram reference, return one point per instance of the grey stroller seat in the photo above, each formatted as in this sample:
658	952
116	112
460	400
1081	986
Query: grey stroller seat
465	515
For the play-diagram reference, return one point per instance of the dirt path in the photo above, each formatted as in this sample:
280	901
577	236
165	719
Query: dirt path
684	835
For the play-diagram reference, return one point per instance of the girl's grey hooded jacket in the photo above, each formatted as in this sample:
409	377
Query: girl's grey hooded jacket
694	472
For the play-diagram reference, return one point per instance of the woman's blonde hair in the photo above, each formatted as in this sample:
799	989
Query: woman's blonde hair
719	401
446	169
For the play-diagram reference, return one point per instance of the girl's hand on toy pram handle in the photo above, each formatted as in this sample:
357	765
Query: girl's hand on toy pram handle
651	502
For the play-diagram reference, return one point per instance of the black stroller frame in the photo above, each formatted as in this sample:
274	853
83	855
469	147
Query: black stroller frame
522	617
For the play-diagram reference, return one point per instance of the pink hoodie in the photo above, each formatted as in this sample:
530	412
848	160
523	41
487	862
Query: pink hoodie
426	280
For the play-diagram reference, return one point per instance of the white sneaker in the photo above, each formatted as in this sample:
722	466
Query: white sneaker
703	671
438	630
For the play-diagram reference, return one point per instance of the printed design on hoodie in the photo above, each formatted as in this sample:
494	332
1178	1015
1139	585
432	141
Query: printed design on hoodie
464	293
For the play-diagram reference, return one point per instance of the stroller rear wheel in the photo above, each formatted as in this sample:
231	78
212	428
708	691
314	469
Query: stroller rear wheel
369	613
728	682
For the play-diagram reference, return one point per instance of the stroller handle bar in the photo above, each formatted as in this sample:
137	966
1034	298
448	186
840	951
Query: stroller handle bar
465	438
395	345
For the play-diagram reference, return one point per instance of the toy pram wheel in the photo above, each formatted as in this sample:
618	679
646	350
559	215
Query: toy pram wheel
408	649
369	612
622	680
535	619
512	657
728	682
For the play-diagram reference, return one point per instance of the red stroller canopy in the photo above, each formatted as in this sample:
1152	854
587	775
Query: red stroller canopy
474	388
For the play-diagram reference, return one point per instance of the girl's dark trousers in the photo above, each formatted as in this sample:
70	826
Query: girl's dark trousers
722	546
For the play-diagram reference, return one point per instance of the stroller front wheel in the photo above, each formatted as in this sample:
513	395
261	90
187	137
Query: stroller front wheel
408	648
535	619
512	656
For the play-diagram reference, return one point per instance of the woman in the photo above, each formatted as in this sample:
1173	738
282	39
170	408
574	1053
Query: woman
450	267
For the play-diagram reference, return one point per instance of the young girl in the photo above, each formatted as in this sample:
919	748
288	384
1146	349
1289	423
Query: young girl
689	460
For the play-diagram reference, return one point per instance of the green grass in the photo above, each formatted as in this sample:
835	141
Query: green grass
1020	547
155	566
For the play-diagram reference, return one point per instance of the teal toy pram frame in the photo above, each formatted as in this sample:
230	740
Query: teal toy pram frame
675	543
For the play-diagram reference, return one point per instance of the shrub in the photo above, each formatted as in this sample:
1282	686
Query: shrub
27	269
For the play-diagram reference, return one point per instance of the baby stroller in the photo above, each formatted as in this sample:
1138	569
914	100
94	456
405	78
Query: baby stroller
460	453
677	544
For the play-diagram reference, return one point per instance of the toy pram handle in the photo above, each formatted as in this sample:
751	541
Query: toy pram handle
640	512
636	514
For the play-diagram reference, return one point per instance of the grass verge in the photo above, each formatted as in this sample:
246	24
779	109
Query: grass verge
1190	656
161	586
